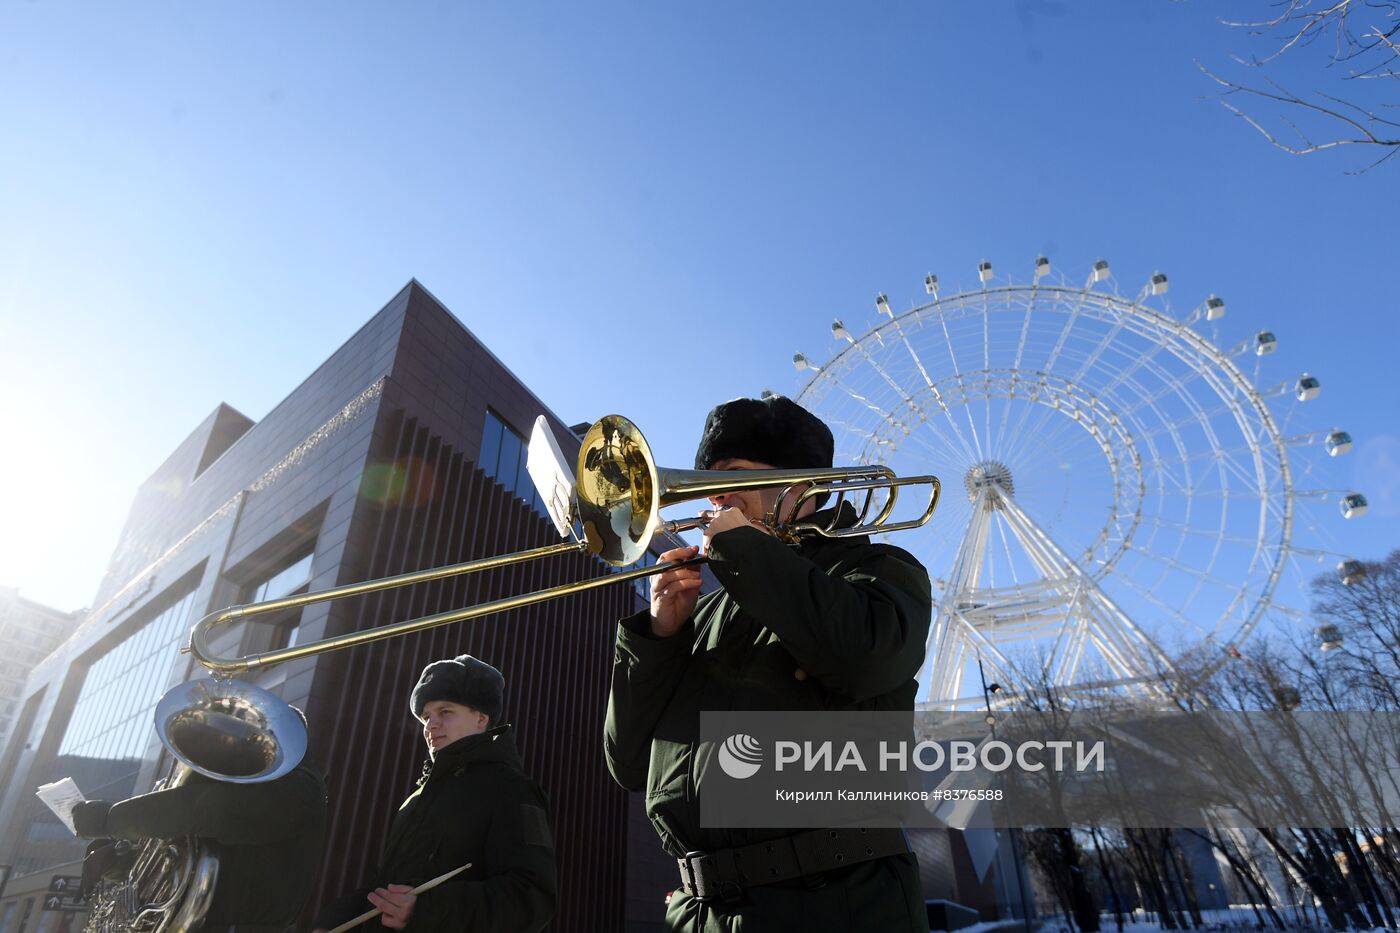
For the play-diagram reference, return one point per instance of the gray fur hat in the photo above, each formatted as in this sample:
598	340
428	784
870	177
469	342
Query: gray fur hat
464	680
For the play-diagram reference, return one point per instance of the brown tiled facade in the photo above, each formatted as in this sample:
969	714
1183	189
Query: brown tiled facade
370	467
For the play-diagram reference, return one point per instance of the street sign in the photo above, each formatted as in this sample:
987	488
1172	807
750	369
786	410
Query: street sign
65	902
66	883
65	893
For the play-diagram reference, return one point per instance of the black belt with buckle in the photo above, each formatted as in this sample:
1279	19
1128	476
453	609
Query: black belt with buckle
724	874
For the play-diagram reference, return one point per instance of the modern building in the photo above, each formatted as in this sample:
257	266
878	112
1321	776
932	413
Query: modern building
28	632
404	450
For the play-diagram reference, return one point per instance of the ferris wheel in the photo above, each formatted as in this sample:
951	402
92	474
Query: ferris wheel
1120	487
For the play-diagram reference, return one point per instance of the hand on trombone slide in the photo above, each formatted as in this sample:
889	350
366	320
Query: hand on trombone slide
674	593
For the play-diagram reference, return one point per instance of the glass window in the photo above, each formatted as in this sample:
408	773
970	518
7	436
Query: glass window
105	743
282	582
508	466
504	454
287	581
490	443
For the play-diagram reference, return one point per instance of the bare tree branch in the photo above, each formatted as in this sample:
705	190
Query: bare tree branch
1365	43
1362	125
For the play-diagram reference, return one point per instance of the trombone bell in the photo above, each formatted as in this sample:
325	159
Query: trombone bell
618	502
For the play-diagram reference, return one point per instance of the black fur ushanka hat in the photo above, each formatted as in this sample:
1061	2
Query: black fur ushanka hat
774	430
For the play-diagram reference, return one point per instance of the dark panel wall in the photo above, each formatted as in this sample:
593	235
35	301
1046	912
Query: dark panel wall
555	656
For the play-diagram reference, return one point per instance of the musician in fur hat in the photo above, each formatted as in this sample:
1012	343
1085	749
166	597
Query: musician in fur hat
827	624
474	805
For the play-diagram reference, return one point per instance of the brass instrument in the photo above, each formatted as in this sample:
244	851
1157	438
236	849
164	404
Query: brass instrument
168	888
232	732
615	512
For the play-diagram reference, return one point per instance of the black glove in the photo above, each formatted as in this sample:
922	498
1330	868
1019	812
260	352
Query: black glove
106	857
90	818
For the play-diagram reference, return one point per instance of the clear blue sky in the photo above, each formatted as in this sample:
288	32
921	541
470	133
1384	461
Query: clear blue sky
199	203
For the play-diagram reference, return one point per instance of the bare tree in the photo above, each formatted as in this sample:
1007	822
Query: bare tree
1362	42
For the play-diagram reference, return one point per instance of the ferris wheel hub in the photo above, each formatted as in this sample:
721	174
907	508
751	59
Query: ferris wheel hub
992	476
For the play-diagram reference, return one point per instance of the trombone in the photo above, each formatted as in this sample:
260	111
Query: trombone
612	512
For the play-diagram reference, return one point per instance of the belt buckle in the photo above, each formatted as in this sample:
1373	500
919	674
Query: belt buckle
697	875
692	868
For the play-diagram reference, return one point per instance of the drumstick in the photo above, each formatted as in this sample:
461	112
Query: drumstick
425	886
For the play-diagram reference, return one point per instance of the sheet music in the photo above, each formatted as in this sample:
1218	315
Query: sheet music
61	797
550	471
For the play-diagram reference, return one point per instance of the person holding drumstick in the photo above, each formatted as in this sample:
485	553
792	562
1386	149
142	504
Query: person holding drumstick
827	624
474	809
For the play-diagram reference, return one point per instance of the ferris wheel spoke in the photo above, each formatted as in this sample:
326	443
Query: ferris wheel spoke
1294	614
948	454
1177	386
962	387
1152	597
1046	413
1070	320
1107	341
1060	437
1209	534
933	389
885	416
1210	454
889	380
1182	568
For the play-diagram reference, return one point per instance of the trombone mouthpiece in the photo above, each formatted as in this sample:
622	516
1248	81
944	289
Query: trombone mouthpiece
675	526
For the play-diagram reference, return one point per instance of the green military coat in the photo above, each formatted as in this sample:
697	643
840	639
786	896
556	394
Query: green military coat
832	624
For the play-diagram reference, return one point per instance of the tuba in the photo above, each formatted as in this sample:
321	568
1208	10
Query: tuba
245	735
168	888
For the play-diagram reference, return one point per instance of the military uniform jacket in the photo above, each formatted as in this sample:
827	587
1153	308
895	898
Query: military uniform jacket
833	624
476	805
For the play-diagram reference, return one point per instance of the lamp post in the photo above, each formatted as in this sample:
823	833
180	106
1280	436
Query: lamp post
987	691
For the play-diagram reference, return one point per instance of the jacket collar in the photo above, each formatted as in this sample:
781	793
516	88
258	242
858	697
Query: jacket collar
496	744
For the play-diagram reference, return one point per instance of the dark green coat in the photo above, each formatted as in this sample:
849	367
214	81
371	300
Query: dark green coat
477	805
834	624
271	838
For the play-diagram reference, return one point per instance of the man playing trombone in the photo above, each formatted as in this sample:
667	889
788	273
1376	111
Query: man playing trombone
827	624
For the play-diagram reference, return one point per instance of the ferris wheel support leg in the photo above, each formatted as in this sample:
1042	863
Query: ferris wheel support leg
946	651
1124	646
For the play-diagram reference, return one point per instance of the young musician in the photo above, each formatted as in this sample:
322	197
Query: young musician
830	624
474	805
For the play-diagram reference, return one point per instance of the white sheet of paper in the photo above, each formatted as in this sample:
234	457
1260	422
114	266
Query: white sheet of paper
550	471
61	797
